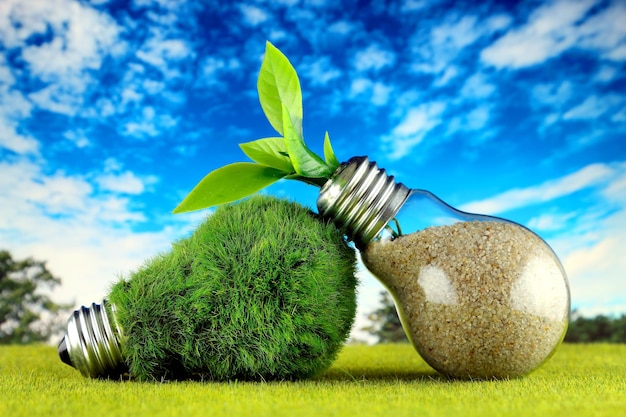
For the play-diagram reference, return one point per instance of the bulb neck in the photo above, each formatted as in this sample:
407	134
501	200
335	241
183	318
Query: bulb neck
361	199
93	341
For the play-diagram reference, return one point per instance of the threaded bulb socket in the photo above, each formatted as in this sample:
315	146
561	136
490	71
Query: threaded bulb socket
361	199
93	342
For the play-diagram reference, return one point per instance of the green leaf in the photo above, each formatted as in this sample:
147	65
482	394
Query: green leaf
329	154
229	183
271	152
278	84
305	162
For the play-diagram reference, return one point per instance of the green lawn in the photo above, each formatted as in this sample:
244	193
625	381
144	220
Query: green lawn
580	380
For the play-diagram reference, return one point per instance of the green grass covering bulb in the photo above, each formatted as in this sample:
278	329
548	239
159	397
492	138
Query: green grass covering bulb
262	290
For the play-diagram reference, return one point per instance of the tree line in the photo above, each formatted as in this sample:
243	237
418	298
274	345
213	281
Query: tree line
385	326
600	328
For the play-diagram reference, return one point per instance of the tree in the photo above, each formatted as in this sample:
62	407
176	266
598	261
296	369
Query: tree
26	314
386	325
596	329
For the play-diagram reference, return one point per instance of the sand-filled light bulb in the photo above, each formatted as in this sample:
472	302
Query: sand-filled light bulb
478	296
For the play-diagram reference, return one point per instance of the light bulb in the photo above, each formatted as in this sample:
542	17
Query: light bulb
478	296
262	290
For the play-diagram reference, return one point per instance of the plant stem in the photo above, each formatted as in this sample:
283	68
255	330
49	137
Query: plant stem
318	182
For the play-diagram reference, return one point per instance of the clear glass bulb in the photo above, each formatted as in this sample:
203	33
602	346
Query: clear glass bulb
478	296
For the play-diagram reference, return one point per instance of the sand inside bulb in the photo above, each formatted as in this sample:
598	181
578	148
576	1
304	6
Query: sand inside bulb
477	299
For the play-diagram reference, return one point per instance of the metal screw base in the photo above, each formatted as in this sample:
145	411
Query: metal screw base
93	342
361	199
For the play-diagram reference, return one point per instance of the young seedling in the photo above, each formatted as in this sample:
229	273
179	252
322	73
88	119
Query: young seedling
275	158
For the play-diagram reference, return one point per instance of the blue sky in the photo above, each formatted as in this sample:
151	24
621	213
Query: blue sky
111	111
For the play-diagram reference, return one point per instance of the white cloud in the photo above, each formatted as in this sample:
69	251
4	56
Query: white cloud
359	86
81	38
474	120
153	87
548	32
373	58
459	34
29	18
13	104
409	6
78	138
619	116
149	124
477	87
124	183
497	23
589	176
477	118
550	119
85	237
131	94
60	98
594	107
341	27
164	54
435	51
550	221
381	93
448	75
417	120
13	141
555	95
375	93
286	3
606	74
253	15
596	273
320	3
617	54
14	107
213	68
412	129
6	75
605	32
615	192
112	165
319	71
558	26
58	193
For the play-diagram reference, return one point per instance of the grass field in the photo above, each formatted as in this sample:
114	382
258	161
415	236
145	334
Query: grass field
580	380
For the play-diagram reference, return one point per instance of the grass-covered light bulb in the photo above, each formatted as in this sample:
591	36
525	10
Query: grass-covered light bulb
263	290
479	297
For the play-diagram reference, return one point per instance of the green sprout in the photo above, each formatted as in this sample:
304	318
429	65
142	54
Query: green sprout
274	158
397	232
